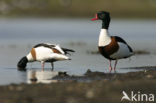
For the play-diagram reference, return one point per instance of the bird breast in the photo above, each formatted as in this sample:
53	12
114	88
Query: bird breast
104	38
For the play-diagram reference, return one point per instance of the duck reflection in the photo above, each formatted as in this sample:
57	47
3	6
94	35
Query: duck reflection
38	76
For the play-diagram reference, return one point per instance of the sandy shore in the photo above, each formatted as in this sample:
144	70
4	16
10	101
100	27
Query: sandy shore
106	89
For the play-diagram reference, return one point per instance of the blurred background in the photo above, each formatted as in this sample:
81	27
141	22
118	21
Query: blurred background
24	23
78	8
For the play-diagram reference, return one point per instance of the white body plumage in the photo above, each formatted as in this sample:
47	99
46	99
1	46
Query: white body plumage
44	54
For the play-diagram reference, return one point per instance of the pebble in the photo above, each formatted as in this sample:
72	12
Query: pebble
89	94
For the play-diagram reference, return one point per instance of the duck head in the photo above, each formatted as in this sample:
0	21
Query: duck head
105	17
22	63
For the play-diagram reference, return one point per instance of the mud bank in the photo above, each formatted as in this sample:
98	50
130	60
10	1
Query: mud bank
106	89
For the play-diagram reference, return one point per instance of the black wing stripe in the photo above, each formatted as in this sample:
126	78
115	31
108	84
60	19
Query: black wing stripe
45	45
119	39
130	49
66	51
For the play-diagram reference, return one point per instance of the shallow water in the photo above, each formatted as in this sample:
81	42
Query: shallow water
17	36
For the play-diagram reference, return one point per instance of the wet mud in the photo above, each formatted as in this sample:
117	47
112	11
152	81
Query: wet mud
92	87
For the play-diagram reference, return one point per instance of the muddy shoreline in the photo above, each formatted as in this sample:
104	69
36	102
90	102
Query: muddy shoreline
104	87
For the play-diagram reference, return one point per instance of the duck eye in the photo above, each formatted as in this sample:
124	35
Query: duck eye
102	15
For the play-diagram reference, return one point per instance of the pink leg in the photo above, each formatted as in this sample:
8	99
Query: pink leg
110	66
116	61
42	66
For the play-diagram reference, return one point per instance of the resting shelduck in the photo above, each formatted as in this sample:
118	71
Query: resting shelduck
111	47
45	52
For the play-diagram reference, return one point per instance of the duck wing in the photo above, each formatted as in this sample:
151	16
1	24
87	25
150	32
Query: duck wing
55	47
119	39
67	51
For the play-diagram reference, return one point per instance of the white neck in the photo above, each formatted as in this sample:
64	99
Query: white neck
30	58
104	38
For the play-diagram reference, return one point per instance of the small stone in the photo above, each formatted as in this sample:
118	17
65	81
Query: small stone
71	100
149	76
89	94
11	87
19	88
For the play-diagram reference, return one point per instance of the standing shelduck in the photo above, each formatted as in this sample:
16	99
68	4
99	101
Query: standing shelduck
111	47
45	52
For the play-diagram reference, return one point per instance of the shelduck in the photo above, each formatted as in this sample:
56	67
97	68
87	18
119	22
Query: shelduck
111	47
44	52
